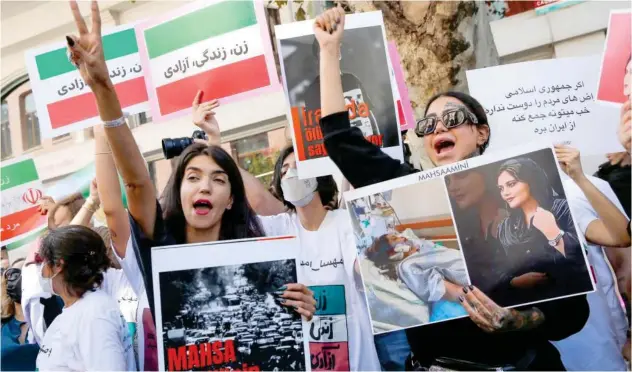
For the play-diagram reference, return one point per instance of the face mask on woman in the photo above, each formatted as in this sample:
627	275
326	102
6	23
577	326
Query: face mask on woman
401	251
296	191
46	283
13	276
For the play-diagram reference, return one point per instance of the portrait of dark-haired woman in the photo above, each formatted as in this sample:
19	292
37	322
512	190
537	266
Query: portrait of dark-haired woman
544	257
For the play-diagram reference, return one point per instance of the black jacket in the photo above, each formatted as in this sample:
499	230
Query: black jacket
362	164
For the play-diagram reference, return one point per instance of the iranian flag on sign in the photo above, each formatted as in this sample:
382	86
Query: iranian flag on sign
64	103
220	47
21	191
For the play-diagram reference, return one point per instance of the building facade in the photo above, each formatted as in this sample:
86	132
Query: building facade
252	136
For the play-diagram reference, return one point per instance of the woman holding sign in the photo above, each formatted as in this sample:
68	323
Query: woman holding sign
455	128
205	197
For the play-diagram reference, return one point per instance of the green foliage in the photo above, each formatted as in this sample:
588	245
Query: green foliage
259	163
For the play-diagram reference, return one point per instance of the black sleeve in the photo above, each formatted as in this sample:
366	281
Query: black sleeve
142	249
361	162
563	318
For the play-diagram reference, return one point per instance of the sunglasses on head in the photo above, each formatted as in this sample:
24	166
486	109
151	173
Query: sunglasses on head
450	119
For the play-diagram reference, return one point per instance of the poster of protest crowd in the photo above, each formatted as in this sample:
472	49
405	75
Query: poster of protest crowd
415	258
221	311
369	89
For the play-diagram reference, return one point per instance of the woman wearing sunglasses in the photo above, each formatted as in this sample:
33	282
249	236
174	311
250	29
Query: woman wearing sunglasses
17	353
454	128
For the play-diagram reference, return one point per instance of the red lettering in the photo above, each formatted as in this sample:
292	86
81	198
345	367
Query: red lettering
351	107
194	360
254	368
317	150
317	116
377	140
363	110
229	351
177	358
313	134
205	355
304	115
218	356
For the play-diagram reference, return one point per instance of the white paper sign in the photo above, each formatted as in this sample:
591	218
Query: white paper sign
549	100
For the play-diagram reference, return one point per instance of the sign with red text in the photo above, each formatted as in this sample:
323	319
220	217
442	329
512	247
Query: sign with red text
21	191
369	89
218	307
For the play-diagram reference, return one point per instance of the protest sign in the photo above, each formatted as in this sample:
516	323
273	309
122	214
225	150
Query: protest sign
549	100
64	102
404	108
615	78
368	89
415	258
21	191
220	47
216	306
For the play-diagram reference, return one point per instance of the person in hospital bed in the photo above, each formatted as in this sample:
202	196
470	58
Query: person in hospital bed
433	273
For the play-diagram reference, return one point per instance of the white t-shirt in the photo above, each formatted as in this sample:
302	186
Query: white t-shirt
90	335
598	345
145	325
340	330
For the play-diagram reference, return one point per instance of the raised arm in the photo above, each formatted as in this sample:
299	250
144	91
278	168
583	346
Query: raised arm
361	162
86	52
89	207
611	227
260	199
110	192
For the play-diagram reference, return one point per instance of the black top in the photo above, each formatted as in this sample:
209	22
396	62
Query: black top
362	164
620	179
142	249
528	250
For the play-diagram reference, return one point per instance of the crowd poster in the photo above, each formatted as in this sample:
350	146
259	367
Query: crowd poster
221	47
615	77
549	100
369	90
21	191
216	306
404	108
64	102
415	258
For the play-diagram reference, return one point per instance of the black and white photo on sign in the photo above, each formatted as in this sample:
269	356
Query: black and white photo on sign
369	88
229	316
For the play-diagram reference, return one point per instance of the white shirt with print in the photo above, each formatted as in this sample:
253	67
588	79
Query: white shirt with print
340	333
89	335
598	345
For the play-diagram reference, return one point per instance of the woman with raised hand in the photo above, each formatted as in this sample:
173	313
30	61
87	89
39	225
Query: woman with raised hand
204	200
454	128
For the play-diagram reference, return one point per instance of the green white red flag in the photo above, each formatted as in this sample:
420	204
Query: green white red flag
221	47
64	102
21	191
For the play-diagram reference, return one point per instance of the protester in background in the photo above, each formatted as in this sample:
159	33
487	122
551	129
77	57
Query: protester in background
308	208
454	129
63	212
205	197
17	353
618	173
598	345
90	334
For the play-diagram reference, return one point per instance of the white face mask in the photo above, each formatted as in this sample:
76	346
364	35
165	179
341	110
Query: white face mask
46	283
400	251
296	191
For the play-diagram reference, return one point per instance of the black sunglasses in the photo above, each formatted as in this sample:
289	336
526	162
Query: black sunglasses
450	119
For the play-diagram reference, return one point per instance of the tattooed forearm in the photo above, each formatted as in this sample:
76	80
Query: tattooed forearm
526	320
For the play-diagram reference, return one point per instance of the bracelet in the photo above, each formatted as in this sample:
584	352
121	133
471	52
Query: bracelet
116	122
89	205
103	153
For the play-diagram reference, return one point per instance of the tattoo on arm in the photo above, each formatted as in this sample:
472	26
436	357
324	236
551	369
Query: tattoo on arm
526	320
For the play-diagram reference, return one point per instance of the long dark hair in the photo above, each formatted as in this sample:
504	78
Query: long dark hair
83	253
327	188
528	171
239	222
473	105
378	254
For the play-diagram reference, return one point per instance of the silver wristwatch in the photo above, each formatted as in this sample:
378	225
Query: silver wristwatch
556	240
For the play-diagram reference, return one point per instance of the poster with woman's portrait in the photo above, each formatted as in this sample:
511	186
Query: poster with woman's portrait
516	230
500	223
369	88
615	79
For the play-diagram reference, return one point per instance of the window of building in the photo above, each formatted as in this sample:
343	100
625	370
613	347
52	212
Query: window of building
274	18
30	123
254	154
5	132
62	137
